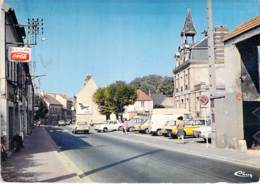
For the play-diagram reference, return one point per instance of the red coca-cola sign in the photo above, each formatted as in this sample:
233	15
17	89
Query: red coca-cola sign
19	54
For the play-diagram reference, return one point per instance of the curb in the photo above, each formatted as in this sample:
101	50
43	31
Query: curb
70	166
215	157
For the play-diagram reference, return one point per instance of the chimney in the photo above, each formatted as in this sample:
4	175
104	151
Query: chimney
88	77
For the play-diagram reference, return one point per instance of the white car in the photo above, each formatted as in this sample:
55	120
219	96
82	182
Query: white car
68	122
61	123
81	127
109	126
203	131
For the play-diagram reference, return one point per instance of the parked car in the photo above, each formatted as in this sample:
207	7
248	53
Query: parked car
190	126
139	127
81	127
61	123
168	128
109	126
159	121
68	122
144	127
134	122
204	131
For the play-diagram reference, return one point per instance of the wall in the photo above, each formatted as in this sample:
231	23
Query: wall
229	113
84	96
3	100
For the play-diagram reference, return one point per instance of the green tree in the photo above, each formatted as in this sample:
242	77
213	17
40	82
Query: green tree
147	83
114	98
41	108
166	86
101	98
154	84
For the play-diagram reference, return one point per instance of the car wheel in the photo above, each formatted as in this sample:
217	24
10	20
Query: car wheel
146	131
86	131
159	132
169	134
105	129
131	129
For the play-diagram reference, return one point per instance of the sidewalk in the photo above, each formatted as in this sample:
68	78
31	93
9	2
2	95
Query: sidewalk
250	158
39	161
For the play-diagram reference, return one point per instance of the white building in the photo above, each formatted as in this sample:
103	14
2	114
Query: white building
86	108
143	104
16	88
191	74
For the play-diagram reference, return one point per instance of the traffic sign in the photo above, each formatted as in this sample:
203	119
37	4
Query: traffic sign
204	100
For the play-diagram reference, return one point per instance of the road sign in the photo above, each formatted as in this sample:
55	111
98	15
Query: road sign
204	100
19	54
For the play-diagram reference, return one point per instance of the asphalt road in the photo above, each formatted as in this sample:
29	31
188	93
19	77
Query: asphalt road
106	158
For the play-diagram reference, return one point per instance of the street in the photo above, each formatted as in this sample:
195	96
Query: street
111	157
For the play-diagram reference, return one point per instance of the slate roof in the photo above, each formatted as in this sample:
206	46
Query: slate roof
250	24
201	44
142	96
188	28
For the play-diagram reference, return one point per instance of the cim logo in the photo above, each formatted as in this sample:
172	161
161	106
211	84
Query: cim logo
20	56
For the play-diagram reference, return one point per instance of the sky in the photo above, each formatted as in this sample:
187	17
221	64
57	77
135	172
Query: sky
116	39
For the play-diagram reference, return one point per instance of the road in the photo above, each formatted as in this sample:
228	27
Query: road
109	157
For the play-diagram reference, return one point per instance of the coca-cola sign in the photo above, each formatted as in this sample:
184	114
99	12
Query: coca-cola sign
19	54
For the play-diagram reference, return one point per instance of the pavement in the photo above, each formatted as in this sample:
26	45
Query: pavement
39	161
250	158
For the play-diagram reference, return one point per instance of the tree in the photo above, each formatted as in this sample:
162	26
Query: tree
41	107
154	84
114	98
166	86
101	98
123	95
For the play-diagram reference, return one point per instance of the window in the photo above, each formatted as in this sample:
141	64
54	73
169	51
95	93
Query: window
142	104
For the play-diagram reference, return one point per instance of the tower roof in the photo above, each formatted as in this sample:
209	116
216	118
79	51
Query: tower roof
188	28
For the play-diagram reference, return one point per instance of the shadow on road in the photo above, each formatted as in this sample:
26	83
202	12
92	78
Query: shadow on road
60	178
117	163
65	140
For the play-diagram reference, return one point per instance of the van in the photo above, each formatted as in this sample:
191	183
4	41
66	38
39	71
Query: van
162	117
159	121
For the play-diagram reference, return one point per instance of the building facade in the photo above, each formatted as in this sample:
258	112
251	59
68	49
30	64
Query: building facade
86	109
142	105
191	74
66	105
55	110
16	88
239	109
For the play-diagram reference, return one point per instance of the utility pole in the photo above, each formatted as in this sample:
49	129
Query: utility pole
212	70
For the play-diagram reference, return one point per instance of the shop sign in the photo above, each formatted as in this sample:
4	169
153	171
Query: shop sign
19	54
